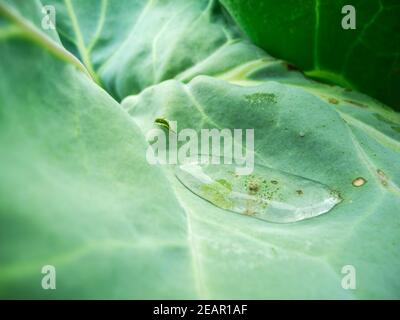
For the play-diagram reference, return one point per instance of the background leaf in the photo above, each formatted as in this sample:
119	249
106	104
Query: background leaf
309	34
146	42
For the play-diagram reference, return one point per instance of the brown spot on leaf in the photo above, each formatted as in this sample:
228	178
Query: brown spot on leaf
381	173
382	177
333	100
291	67
359	182
356	103
249	212
253	187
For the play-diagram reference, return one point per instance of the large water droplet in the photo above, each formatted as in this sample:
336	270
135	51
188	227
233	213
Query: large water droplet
266	194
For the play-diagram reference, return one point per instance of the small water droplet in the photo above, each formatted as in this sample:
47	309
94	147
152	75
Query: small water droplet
266	194
358	182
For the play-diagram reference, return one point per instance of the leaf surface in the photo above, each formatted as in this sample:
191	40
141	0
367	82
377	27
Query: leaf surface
310	34
77	192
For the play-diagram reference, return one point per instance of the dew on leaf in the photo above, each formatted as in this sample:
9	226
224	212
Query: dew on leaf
266	194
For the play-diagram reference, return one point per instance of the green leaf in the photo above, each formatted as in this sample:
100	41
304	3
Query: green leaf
131	45
309	34
77	192
322	133
75	189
